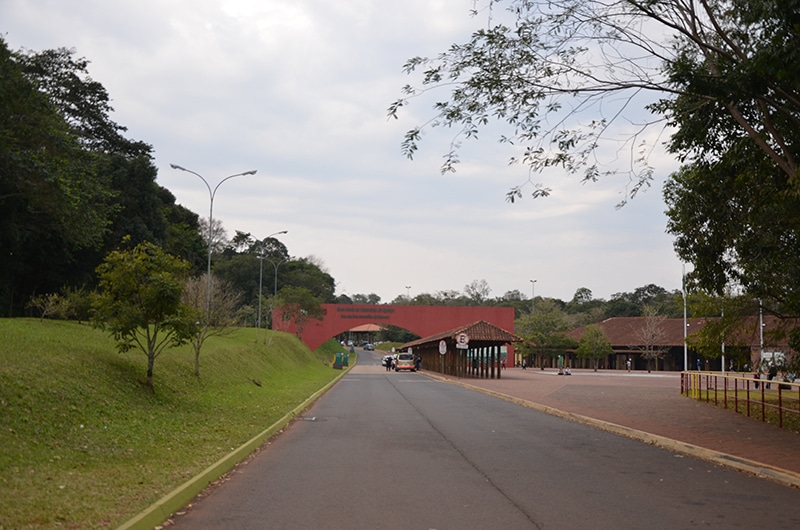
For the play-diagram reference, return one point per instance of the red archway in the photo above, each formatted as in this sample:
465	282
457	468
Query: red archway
418	319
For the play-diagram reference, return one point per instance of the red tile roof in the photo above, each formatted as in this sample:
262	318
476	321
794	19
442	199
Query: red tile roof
623	332
480	331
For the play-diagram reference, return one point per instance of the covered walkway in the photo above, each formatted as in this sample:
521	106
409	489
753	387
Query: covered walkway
477	350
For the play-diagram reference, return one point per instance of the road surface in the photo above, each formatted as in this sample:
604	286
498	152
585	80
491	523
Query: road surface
385	450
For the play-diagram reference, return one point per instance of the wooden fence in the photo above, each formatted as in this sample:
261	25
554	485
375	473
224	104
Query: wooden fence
772	401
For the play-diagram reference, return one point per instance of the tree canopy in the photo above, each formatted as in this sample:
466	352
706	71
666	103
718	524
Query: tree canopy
570	79
594	344
139	301
71	185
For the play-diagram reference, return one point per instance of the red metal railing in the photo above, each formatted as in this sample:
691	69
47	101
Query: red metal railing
773	401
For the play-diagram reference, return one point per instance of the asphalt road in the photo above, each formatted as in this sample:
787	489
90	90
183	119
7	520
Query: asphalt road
385	450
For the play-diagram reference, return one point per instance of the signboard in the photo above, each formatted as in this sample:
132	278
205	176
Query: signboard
442	347
462	341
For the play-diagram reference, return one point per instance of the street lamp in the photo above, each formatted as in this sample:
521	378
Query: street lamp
211	195
275	286
408	293
260	270
276	265
533	294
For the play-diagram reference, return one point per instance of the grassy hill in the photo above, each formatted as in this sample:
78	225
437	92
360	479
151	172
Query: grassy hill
84	444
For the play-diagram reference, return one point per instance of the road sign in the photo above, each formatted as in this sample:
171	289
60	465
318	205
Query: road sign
462	341
442	347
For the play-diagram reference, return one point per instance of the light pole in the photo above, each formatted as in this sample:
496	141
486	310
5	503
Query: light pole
260	270
276	264
408	293
211	195
533	294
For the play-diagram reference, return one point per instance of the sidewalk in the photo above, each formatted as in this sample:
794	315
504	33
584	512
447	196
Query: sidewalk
651	408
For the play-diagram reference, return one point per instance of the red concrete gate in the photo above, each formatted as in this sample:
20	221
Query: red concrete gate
418	319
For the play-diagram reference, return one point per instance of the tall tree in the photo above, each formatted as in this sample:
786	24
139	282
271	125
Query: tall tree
737	222
53	201
83	102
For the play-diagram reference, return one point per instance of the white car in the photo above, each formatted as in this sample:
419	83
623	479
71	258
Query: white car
405	361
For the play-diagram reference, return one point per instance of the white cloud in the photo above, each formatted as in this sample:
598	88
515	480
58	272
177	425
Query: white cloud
299	91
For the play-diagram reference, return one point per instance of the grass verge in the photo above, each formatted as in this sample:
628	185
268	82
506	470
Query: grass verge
783	411
86	445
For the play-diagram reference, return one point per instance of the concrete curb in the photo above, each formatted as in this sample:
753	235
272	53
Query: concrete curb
183	494
781	476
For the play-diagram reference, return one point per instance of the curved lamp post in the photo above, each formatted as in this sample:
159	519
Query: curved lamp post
211	195
260	270
275	285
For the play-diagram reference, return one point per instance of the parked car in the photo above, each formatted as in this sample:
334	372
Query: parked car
369	347
405	361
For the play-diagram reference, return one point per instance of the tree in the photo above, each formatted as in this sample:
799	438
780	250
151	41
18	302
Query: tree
478	292
82	101
225	300
650	337
594	344
299	304
570	79
371	298
634	304
53	201
71	185
736	220
308	274
544	332
139	302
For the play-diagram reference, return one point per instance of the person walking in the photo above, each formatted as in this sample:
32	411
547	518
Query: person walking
628	364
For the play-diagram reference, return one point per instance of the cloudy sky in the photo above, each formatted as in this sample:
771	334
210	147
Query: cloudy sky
298	90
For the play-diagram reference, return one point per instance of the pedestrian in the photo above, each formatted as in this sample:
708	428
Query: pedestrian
699	364
628	364
772	373
524	366
503	364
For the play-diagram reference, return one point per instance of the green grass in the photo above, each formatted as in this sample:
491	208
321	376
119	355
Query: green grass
84	444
